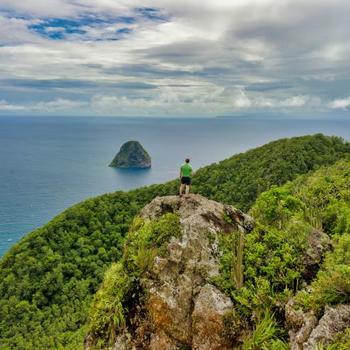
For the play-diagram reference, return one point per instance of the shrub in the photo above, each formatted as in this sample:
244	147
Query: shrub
264	336
332	285
121	288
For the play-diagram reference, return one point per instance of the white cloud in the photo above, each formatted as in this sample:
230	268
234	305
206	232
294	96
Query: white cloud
196	100
15	31
241	100
5	106
342	103
48	106
292	102
59	104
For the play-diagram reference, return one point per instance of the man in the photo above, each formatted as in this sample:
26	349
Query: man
185	176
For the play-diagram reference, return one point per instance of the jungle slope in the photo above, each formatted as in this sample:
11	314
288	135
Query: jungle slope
49	277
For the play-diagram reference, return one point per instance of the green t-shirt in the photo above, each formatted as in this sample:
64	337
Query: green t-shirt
186	170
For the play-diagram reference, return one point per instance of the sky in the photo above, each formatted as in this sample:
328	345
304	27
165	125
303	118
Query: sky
174	57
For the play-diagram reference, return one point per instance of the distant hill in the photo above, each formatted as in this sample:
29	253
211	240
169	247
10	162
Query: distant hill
49	278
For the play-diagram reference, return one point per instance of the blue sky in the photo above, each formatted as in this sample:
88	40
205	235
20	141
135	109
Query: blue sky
174	58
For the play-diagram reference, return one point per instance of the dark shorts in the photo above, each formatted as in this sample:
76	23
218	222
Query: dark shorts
186	180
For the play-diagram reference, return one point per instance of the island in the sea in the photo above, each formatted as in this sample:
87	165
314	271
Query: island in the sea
132	155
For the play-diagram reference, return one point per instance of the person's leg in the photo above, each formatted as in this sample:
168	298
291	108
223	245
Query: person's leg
182	187
188	189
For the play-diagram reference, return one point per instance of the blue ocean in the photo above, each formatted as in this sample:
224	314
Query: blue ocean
49	163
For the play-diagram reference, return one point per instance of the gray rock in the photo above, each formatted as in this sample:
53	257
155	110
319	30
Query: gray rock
210	306
335	320
183	308
306	332
318	244
300	325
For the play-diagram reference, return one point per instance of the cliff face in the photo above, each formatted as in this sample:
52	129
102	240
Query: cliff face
181	307
131	155
185	308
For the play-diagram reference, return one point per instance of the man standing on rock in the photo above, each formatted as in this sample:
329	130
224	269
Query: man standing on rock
185	177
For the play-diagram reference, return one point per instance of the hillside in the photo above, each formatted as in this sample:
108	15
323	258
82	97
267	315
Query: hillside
49	277
196	274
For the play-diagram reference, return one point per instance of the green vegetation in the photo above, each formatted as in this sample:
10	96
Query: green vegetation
274	251
287	215
122	279
332	285
107	314
231	262
341	342
241	178
49	278
265	336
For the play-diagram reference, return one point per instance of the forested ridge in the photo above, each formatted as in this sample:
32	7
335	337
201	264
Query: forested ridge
49	278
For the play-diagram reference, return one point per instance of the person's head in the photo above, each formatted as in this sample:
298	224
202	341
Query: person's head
187	160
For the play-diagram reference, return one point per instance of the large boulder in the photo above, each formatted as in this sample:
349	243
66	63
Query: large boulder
182	308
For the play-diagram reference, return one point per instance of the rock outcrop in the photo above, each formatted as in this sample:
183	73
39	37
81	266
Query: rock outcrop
318	244
183	309
307	332
132	155
300	325
335	320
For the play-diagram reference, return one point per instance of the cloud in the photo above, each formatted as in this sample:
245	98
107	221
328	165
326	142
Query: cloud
48	106
241	100
59	104
343	103
5	106
167	100
176	57
14	31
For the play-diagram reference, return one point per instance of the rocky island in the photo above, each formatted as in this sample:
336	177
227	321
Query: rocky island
132	155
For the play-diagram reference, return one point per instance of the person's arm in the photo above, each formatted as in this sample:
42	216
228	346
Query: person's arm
180	172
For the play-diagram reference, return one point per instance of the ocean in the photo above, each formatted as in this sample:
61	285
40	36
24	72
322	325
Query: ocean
50	163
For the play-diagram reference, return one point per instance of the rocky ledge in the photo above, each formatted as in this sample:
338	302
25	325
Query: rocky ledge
184	307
